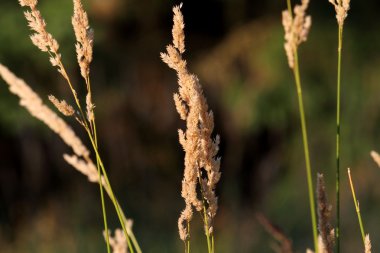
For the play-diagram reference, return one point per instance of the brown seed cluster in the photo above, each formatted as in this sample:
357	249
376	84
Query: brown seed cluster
324	211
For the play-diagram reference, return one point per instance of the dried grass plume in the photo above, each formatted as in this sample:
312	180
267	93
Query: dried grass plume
296	29
341	9
85	38
41	38
201	164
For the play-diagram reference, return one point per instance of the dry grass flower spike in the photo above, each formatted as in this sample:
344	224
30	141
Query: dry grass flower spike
341	9
201	164
296	29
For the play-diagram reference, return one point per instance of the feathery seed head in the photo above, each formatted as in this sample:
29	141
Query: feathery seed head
178	30
296	29
200	149
341	9
29	3
41	38
85	38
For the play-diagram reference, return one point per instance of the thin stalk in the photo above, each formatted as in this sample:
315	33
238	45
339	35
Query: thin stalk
130	233
112	196
356	206
207	232
213	243
94	141
187	243
305	142
337	183
205	219
104	210
306	151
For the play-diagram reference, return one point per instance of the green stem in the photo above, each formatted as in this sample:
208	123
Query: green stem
306	150
205	219
337	186
206	230
357	208
103	209
305	141
109	190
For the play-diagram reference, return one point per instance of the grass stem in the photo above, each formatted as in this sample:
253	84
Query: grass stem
297	78
306	151
337	183
357	208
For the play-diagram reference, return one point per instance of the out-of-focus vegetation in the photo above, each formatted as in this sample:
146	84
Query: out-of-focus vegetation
236	48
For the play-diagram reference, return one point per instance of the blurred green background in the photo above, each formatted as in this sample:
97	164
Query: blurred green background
236	49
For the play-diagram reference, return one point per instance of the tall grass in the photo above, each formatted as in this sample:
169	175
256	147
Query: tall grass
201	147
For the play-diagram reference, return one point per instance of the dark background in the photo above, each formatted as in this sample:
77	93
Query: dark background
236	49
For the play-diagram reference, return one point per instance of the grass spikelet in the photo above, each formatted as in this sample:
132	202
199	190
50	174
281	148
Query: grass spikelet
62	106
